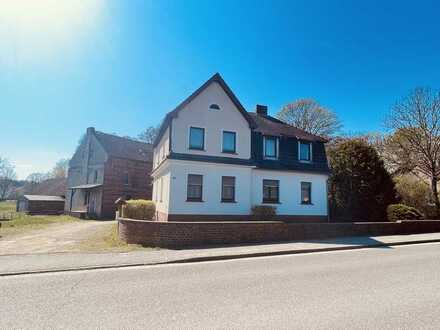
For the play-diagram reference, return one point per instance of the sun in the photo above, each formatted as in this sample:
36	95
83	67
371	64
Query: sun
33	31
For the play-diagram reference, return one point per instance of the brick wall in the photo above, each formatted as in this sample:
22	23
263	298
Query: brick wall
186	234
139	186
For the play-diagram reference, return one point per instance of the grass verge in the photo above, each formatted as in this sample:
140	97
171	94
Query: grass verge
107	240
21	222
27	222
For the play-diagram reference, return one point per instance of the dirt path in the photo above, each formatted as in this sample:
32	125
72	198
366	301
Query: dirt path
54	238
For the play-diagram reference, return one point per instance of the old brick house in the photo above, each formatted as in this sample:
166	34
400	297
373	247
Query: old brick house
104	168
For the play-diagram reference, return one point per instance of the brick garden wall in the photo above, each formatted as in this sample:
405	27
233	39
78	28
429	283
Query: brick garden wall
187	234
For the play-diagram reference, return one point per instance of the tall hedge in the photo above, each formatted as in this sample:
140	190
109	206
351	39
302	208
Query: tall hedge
360	188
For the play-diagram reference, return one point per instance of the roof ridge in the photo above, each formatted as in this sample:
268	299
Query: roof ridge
124	138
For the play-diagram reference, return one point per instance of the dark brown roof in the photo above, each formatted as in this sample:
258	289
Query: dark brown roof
120	147
268	125
215	78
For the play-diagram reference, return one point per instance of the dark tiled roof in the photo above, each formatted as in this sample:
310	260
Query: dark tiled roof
120	147
268	125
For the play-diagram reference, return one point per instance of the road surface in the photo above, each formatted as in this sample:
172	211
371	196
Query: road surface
383	288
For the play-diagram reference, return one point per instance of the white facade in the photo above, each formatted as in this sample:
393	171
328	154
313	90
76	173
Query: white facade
170	174
248	189
214	122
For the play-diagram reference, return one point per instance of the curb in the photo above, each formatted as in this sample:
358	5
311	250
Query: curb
218	258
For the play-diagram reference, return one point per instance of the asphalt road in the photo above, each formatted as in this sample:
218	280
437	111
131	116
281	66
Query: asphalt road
386	288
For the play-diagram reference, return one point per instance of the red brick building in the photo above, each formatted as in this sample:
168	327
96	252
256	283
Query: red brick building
104	168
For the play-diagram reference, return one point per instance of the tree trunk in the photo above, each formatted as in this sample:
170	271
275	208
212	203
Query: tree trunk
434	181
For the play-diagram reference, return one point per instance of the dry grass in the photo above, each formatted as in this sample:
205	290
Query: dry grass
107	240
7	206
21	222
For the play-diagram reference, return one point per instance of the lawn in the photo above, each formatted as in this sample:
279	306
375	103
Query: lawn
21	222
7	206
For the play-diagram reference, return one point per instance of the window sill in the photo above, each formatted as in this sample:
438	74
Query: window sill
197	149
305	161
270	158
227	201
195	200
270	202
306	203
229	152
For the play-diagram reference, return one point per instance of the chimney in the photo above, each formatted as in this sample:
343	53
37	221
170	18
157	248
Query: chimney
90	130
261	110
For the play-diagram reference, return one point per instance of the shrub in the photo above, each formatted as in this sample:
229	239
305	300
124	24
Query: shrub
397	212
139	209
360	188
264	212
416	193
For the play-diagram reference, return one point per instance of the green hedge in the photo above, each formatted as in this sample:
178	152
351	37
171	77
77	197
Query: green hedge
264	212
397	212
139	209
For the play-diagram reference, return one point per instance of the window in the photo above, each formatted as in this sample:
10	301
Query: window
271	189
125	178
197	138
305	151
270	147
161	190
229	140
228	189
306	193
214	107
195	188
95	176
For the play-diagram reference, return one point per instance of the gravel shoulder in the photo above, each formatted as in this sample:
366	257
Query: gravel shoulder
63	237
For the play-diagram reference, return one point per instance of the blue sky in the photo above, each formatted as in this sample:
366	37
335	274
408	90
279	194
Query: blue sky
121	65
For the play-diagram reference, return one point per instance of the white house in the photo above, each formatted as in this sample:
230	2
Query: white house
213	160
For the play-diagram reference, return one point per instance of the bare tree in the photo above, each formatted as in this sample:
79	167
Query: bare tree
310	116
149	134
37	177
7	177
60	169
415	121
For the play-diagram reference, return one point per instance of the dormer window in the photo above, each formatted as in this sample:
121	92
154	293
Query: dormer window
270	147
305	151
214	107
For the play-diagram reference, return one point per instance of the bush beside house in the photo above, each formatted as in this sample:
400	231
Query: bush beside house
360	188
397	212
139	209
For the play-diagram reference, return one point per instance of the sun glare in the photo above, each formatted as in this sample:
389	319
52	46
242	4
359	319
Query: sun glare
36	31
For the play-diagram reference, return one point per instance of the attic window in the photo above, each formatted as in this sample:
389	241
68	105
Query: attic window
214	107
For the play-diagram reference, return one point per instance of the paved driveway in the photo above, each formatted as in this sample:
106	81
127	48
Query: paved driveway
54	238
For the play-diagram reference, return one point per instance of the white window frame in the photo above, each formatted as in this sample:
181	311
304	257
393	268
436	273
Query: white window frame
277	147
188	140
299	151
236	142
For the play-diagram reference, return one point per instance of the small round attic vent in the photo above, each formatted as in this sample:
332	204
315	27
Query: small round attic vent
214	107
